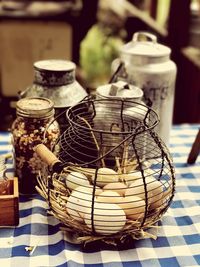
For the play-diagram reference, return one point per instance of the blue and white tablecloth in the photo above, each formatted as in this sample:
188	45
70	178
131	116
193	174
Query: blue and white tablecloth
178	242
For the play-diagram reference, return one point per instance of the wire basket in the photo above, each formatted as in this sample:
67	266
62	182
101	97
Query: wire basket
112	177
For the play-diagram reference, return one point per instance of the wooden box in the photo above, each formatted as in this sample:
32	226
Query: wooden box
9	205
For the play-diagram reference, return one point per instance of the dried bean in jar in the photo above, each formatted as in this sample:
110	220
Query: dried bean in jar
34	121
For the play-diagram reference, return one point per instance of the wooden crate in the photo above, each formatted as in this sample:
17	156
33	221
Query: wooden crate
9	205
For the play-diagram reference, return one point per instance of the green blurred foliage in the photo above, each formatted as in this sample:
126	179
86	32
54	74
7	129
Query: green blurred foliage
97	51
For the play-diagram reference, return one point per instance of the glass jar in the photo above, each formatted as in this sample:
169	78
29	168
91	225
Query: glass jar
55	79
34	120
4	183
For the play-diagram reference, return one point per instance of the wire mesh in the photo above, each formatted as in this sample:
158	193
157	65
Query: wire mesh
117	178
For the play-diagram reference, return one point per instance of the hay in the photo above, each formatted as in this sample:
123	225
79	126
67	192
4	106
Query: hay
57	198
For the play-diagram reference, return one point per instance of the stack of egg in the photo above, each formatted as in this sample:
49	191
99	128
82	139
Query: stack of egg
106	200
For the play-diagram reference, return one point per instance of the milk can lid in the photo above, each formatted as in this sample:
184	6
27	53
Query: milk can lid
145	44
119	90
55	65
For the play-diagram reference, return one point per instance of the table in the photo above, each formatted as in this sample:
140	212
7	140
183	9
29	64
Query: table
177	244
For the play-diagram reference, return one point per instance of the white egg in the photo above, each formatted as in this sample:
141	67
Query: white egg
105	176
134	207
118	187
79	201
75	179
154	190
109	197
107	218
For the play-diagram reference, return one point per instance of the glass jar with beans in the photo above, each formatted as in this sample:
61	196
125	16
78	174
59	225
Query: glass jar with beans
34	120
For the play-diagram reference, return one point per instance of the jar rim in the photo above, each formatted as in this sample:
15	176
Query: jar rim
35	107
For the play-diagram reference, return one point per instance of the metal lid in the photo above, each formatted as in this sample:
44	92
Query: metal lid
145	44
35	107
119	90
54	72
54	65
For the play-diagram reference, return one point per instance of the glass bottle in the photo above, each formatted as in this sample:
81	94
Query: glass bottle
34	121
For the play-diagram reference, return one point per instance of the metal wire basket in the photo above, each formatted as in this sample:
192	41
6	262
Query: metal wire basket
111	177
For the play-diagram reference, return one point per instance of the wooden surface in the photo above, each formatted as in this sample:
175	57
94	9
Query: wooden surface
195	150
24	42
9	205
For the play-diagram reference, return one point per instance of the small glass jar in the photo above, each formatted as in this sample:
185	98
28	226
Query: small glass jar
4	183
34	121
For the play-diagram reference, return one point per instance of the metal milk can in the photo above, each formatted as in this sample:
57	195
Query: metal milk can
133	109
146	64
121	91
55	79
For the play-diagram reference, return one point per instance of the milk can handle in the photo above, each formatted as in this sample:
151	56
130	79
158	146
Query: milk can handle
138	36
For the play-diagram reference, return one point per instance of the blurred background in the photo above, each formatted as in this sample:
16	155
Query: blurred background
90	34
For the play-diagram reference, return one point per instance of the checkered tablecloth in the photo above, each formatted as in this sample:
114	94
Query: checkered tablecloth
178	242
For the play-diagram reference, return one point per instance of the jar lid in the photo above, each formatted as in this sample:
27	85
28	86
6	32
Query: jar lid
54	72
145	44
120	90
35	107
55	65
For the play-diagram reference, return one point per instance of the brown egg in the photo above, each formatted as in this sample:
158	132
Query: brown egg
109	197
134	207
105	176
131	177
154	191
163	202
118	187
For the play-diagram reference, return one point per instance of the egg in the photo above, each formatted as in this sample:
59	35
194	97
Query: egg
133	206
89	189
118	187
109	197
129	178
164	200
105	176
154	190
75	179
108	218
79	200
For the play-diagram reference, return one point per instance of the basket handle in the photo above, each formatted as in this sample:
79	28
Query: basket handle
48	157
